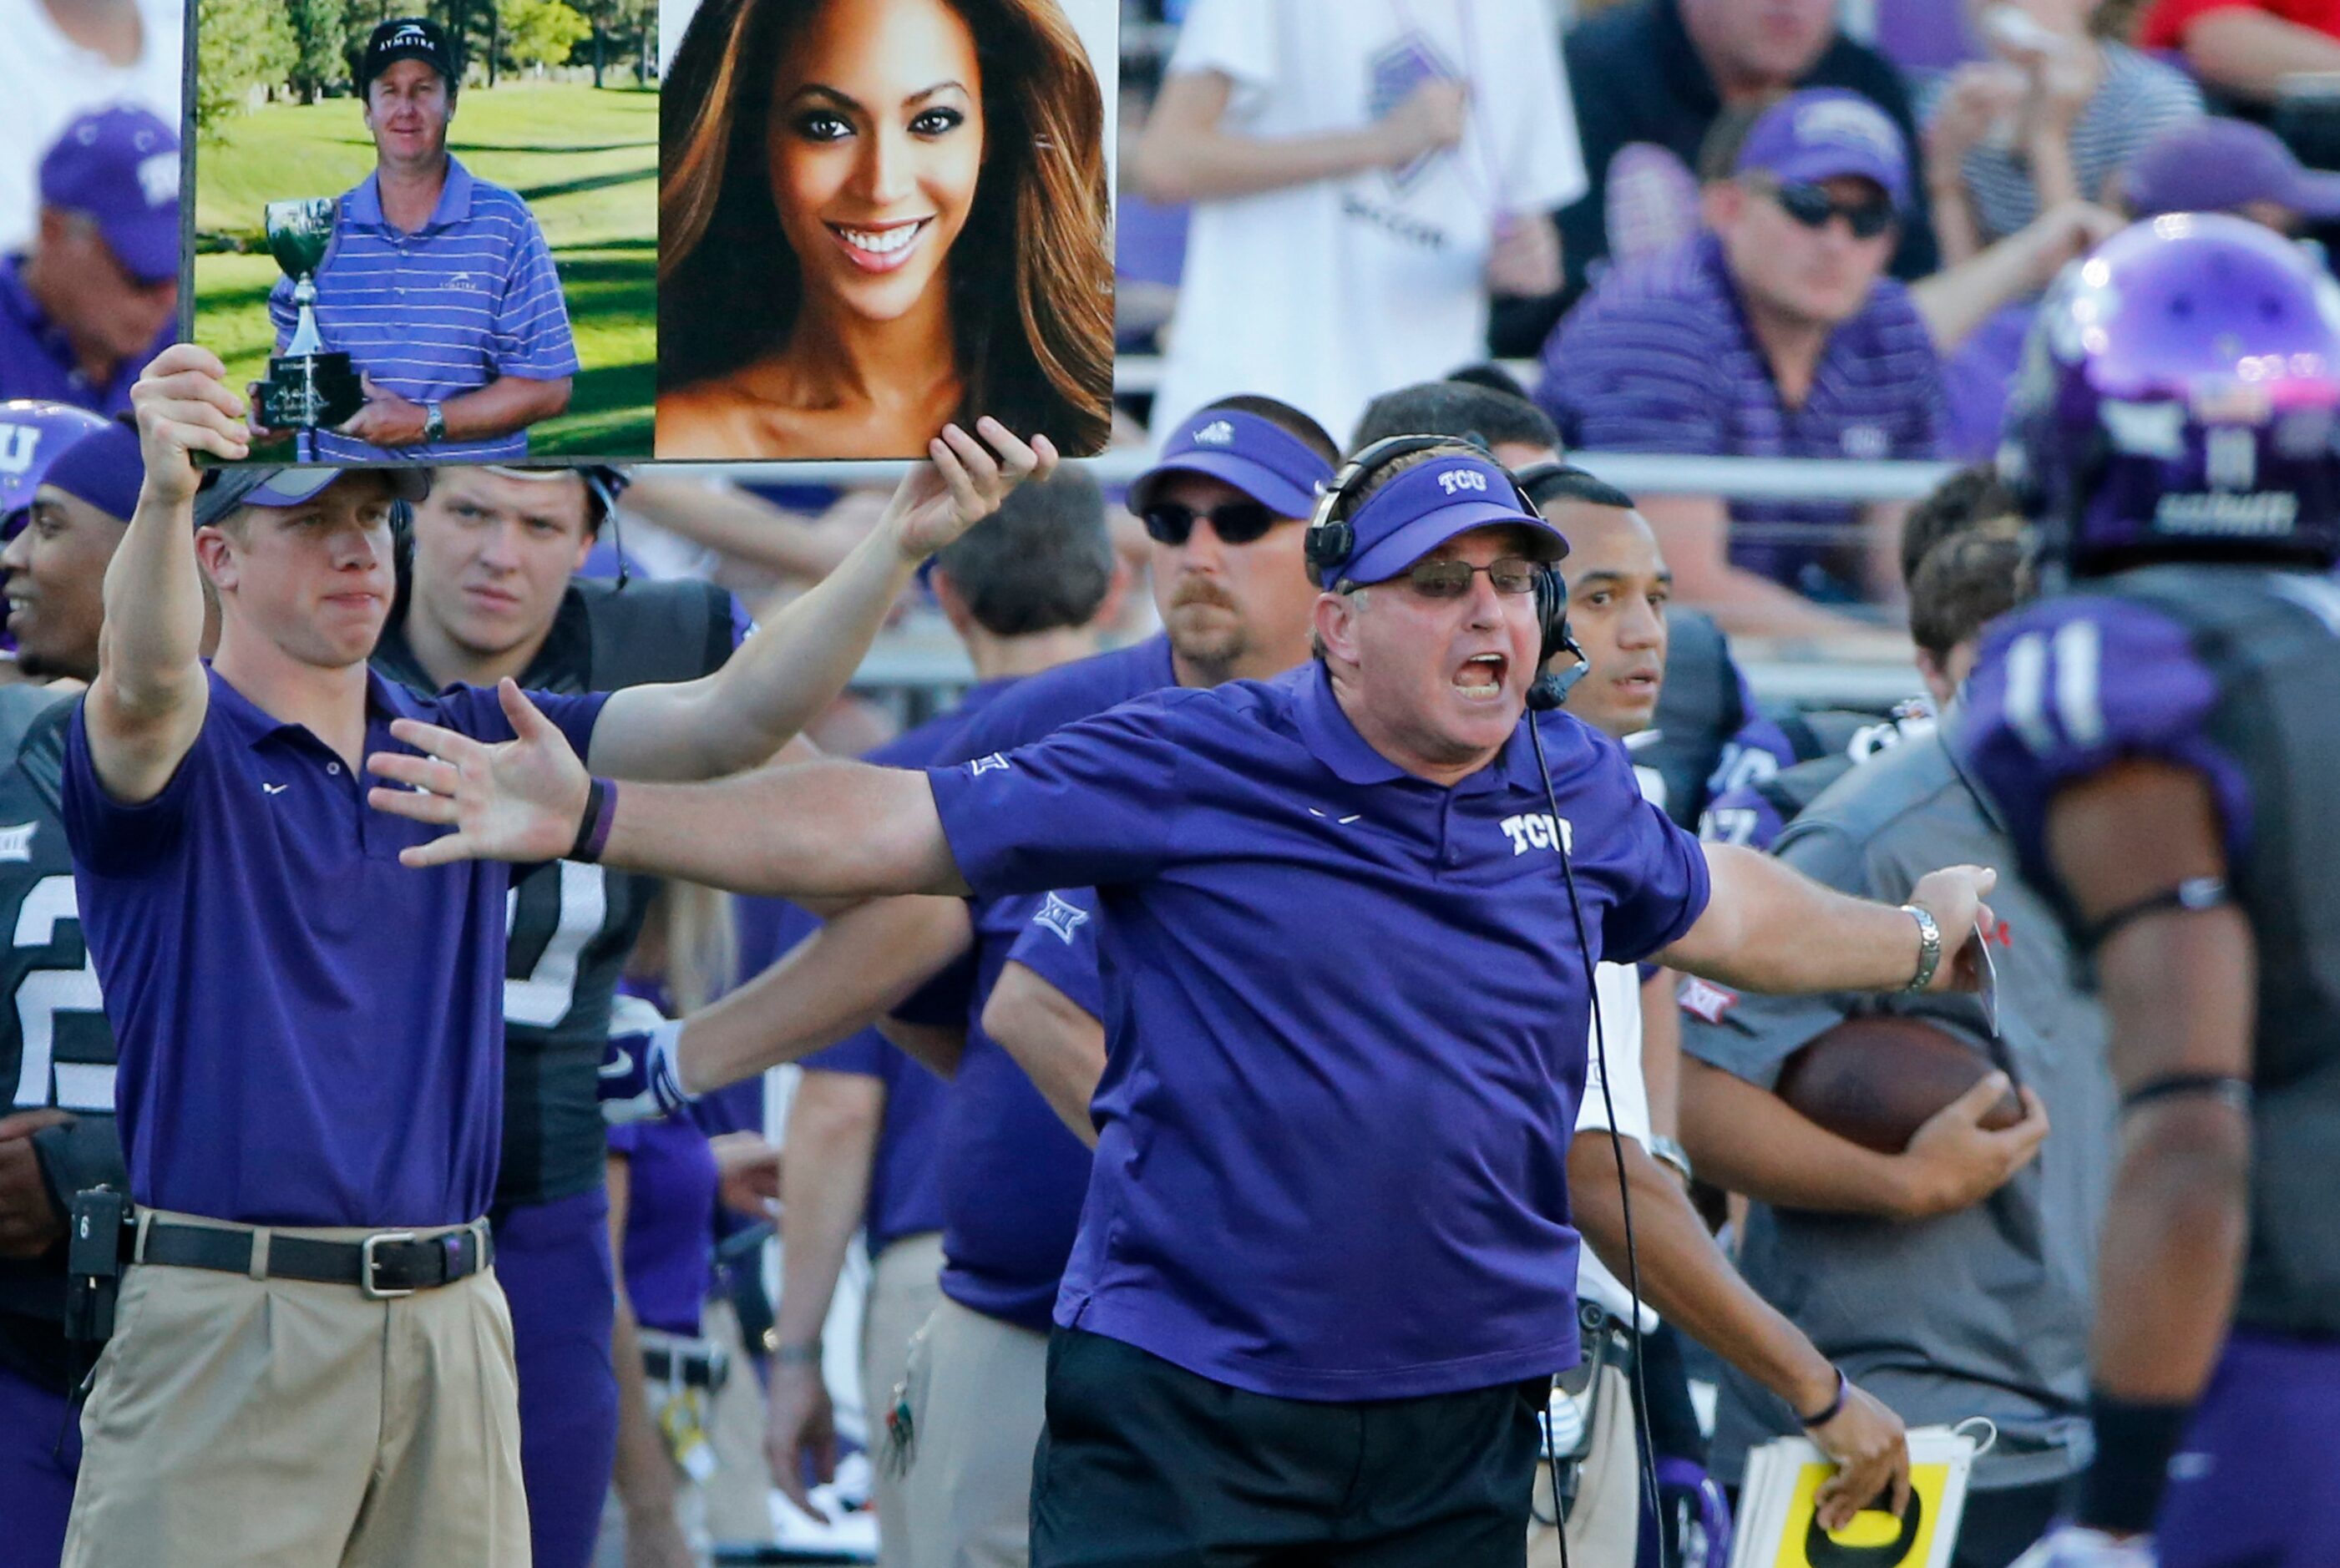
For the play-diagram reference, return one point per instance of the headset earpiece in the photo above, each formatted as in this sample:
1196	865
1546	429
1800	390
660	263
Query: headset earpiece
1330	541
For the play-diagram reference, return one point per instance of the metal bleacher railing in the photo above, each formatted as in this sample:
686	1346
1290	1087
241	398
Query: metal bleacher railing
921	654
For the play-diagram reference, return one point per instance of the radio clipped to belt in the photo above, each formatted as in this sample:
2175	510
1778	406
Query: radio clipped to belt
1573	1415
97	1243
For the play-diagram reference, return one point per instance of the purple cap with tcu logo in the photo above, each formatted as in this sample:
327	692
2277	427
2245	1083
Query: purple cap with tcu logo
1828	133
2180	397
1431	503
1257	456
121	167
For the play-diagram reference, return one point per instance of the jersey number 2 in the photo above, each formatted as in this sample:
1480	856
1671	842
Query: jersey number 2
43	994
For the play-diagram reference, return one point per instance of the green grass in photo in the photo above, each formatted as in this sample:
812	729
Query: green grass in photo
585	159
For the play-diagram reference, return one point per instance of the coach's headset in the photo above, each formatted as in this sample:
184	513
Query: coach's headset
1330	544
1332	541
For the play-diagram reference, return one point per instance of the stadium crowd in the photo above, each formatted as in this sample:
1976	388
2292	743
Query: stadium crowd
794	1201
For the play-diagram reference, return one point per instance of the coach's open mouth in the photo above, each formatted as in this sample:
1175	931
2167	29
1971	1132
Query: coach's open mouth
1481	676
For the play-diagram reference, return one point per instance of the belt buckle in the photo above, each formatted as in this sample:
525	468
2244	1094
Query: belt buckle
368	1262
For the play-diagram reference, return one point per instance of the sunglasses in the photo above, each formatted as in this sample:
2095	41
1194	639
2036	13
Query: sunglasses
1235	523
1812	206
1452	580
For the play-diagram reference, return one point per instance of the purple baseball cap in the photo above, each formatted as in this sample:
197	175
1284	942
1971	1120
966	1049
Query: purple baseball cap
1431	503
121	166
2220	165
234	487
1257	456
33	437
1828	133
103	468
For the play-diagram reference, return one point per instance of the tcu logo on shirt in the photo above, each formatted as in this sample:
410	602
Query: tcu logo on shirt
1455	479
1217	433
1534	830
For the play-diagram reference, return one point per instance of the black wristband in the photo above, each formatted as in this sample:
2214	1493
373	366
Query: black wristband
1835	1406
2121	1492
593	827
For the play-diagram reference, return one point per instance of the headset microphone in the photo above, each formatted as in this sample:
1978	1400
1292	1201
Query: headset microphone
1552	687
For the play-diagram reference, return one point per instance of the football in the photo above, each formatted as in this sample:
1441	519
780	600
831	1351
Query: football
1877	1080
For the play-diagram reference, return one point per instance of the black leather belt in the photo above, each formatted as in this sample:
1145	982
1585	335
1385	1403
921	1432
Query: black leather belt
704	1366
385	1264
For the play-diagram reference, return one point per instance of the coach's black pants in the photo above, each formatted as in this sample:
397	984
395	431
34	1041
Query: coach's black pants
1143	1465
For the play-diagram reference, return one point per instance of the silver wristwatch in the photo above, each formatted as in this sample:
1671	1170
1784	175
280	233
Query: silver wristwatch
1929	947
434	424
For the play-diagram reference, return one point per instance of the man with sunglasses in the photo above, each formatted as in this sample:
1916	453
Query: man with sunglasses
1774	333
1325	1267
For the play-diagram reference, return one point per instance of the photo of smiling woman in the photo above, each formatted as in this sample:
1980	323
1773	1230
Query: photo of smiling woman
876	217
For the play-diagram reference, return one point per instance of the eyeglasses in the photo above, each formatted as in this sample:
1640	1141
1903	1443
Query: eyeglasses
1452	580
1235	523
1812	206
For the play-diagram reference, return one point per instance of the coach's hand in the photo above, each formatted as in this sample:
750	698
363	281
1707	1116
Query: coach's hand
800	1426
386	420
1871	1451
939	500
1954	897
519	801
29	1221
185	406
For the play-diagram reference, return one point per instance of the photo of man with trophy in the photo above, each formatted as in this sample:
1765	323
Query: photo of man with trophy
420	317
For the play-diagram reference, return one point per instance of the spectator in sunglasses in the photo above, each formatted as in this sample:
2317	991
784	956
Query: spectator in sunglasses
1773	333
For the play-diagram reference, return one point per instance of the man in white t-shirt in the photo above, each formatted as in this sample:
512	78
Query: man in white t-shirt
1364	173
62	58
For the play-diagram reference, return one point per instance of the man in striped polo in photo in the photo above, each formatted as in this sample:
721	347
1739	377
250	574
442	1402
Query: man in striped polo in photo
439	284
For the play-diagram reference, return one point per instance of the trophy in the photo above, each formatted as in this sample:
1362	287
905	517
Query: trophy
309	387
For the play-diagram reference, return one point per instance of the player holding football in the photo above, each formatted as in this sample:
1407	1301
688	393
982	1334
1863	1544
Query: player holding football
2159	734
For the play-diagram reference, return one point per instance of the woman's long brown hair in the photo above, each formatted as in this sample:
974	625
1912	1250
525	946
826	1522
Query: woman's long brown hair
729	285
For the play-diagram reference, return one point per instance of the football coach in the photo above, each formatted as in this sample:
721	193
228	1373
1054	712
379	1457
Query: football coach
439	284
1325	1268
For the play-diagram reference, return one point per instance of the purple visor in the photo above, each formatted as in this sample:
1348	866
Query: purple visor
290	487
1427	506
1264	461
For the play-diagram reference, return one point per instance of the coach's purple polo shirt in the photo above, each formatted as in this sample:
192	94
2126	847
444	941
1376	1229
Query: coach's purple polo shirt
310	1033
1348	1027
1659	359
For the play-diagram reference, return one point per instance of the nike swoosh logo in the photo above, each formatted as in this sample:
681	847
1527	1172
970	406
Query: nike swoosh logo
273	789
618	1069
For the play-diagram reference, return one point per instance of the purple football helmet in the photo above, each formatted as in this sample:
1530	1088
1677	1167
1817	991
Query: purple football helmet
2179	398
33	436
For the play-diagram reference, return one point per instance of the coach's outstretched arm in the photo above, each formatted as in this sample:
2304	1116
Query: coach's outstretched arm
147	704
810	830
1769	928
798	663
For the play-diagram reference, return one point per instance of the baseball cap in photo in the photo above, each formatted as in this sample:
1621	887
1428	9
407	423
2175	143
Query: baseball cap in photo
1431	503
33	435
224	489
2220	165
405	38
1257	456
121	166
1828	133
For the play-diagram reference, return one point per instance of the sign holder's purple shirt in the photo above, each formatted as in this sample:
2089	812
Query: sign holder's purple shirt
1013	1177
310	1033
1349	1029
